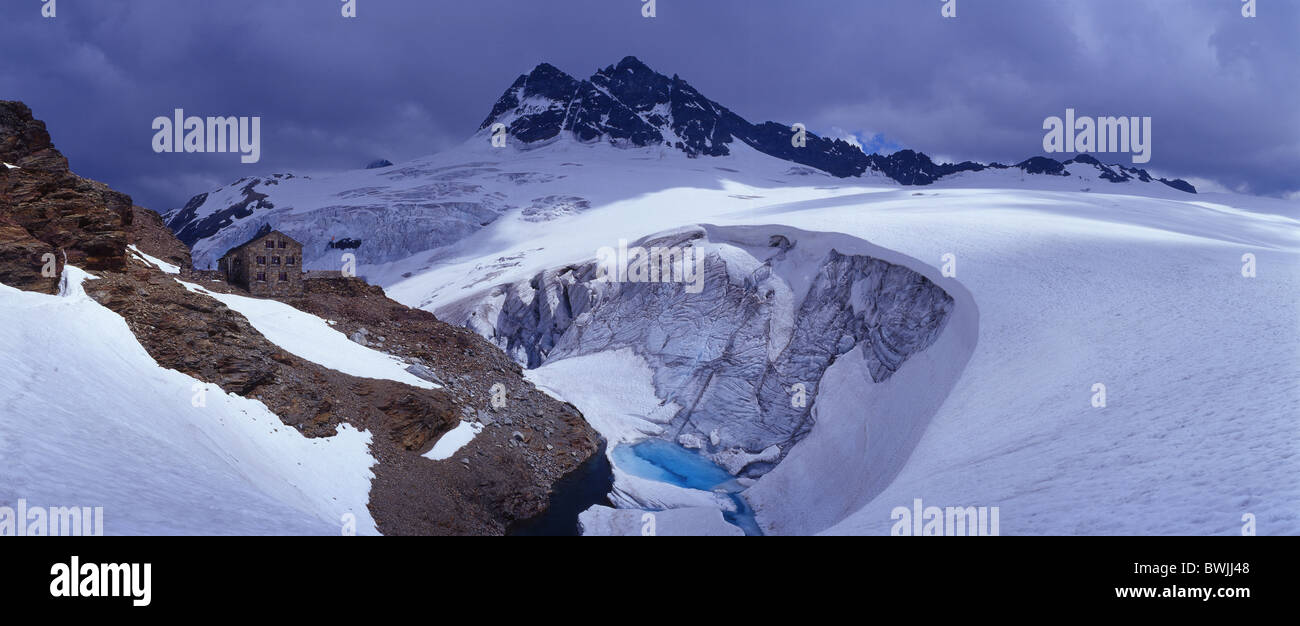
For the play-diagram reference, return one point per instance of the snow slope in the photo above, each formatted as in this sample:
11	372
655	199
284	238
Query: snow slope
617	389
432	204
631	193
165	267
623	112
132	440
454	440
311	338
1200	366
1077	282
616	394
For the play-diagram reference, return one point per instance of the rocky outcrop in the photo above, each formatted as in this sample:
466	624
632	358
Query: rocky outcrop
25	260
190	229
150	234
743	357
24	142
630	104
197	335
492	483
81	221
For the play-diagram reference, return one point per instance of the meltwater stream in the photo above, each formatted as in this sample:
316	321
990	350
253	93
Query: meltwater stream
665	461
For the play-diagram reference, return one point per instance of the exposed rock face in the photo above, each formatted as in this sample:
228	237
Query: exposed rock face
198	335
69	215
631	104
151	236
25	142
492	484
1043	165
190	229
393	212
504	481
773	314
23	259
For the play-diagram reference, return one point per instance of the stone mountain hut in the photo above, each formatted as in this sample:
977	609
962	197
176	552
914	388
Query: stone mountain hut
270	264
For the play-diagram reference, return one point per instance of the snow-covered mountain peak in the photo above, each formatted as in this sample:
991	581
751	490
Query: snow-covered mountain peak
574	145
631	105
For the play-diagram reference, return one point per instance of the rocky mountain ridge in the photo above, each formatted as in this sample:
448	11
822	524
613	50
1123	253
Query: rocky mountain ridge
630	104
501	479
50	215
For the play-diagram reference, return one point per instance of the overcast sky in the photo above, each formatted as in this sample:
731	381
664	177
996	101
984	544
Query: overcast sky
408	78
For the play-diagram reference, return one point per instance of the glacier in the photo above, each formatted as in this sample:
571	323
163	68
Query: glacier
777	307
968	387
1070	283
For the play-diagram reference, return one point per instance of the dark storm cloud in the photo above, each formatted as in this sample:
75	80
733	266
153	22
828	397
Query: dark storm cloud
409	78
